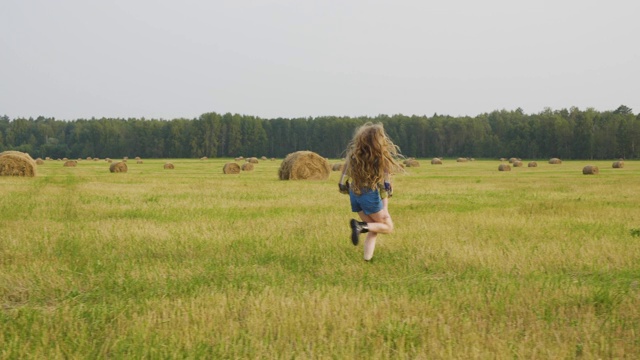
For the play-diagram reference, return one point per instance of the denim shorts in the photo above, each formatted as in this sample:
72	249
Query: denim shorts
368	201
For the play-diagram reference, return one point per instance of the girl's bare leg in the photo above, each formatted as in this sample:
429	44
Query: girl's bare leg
379	222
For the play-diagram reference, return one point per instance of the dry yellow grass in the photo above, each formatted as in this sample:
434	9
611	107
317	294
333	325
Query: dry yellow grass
536	263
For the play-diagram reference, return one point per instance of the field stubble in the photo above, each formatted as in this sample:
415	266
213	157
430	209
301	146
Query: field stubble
192	263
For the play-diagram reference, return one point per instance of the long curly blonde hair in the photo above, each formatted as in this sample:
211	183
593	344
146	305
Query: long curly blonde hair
371	156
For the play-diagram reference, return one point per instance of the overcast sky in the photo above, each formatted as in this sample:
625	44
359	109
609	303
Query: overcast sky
73	59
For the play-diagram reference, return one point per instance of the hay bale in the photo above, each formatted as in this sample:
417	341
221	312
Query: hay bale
138	161
70	163
231	168
532	164
503	159
264	158
411	163
461	159
337	167
504	167
16	163
618	164
253	160
555	161
512	160
247	166
436	161
590	170
204	158
137	158
169	166
517	163
304	165
118	167
39	161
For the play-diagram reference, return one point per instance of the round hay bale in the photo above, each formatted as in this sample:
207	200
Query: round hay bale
70	163
517	163
247	166
138	161
436	161
89	158
253	160
590	170
118	167
96	159
304	165
204	158
47	158
39	161
503	159
461	159
512	160
231	168
504	167
412	163
337	167
532	164
555	161
109	161
169	166
16	163
137	157
618	164
264	158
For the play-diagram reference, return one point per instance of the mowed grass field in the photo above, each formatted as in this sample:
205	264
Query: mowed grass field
536	263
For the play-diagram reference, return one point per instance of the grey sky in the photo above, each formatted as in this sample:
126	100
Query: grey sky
73	59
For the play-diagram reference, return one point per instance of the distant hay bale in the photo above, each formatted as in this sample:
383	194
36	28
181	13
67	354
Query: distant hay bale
109	161
264	158
47	158
555	161
532	164
118	167
138	161
89	158
16	163
512	160
517	163
247	166
461	159
304	165
39	161
96	159
411	163
137	157
65	159
125	158
504	167
503	159
253	160
618	164
337	167
169	166
204	158
590	170
70	163
436	161
231	168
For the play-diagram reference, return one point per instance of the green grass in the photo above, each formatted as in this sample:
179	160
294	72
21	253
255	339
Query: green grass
191	263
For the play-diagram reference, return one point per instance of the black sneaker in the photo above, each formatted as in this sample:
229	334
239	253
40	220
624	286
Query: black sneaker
357	228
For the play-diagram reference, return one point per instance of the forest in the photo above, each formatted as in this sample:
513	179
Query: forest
565	133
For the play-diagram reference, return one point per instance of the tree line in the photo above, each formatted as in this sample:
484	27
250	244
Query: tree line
566	134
